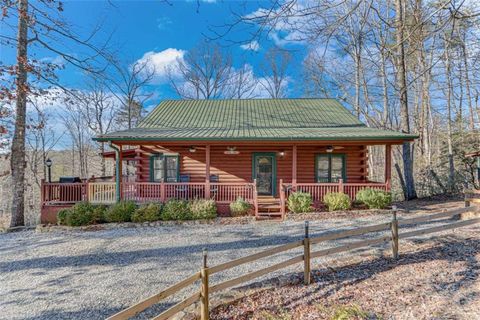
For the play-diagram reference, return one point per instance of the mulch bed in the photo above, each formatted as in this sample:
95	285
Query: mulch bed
434	279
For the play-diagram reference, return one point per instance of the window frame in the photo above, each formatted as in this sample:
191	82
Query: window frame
163	156
343	156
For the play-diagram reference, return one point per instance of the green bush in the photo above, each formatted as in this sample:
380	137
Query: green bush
81	215
120	212
98	214
374	199
176	210
202	209
147	212
300	202
239	207
336	201
62	216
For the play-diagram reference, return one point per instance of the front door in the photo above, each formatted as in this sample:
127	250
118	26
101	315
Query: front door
264	170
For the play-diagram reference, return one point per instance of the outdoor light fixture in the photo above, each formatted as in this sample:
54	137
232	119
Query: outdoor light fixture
192	149
48	163
330	148
281	153
231	150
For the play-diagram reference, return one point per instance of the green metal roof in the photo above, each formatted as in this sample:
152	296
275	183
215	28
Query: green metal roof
253	119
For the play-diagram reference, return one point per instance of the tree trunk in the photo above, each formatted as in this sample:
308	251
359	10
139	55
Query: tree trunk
451	164
18	160
402	87
467	87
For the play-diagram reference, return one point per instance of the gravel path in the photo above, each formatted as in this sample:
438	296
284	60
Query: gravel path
90	275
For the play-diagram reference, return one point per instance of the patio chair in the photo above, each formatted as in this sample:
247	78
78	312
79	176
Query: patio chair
214	189
182	190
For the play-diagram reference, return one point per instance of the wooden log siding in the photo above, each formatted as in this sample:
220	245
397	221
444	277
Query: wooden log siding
238	168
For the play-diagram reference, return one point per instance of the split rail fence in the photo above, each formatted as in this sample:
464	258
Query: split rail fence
308	243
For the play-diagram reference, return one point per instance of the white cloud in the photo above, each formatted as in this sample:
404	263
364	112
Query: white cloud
252	46
161	61
163	23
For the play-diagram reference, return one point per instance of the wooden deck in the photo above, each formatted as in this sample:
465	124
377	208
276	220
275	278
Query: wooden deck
65	194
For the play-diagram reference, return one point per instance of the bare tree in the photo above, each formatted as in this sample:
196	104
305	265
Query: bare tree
128	83
274	70
205	72
43	21
41	139
76	124
243	83
99	109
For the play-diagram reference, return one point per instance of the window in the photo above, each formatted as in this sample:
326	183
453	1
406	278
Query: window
164	168
330	167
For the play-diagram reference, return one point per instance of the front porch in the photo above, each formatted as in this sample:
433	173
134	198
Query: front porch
61	195
263	175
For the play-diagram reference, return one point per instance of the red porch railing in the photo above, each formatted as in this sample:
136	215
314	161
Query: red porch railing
319	190
229	192
222	193
140	192
63	193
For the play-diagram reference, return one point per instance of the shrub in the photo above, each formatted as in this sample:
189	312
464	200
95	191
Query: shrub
336	201
62	216
374	199
81	214
98	214
176	210
239	207
147	212
120	212
202	209
300	202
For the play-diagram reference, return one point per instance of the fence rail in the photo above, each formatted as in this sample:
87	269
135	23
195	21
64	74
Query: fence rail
206	288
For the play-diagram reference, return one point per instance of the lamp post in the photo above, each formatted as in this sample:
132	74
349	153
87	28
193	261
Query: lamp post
48	163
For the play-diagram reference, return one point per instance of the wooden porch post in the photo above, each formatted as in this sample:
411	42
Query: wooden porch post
294	167
388	166
207	172
120	173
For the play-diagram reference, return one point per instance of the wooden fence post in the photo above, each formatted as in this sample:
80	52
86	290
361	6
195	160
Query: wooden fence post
204	311
306	256
394	227
467	198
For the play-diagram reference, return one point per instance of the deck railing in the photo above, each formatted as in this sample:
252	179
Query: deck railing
221	192
63	193
102	192
141	192
229	192
319	190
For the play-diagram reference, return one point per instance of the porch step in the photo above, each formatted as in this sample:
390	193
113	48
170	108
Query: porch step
269	208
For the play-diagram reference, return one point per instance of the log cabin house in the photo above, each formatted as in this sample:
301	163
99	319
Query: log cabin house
261	150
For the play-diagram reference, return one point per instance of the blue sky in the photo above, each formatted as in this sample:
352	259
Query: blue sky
163	30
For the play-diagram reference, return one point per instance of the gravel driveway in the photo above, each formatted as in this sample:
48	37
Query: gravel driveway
90	275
